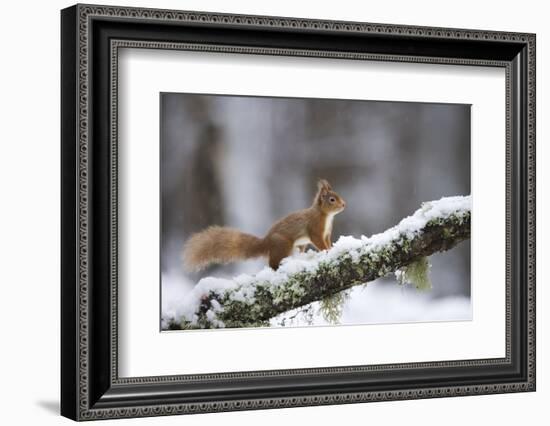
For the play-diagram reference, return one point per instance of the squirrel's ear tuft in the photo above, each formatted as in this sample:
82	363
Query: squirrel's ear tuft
323	184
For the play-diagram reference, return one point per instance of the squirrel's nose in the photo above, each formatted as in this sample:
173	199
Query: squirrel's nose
343	203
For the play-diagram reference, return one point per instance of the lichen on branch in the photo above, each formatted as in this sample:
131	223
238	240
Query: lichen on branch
416	273
252	300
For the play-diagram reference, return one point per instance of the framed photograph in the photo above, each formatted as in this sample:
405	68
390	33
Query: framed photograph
263	212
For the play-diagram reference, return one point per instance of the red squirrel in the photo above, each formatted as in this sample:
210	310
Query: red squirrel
308	226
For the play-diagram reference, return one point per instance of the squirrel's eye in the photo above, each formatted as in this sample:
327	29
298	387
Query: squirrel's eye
332	199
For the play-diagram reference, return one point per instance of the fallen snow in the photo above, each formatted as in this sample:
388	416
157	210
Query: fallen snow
175	289
242	287
382	303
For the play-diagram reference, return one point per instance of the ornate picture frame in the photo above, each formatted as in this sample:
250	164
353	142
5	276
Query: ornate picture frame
91	37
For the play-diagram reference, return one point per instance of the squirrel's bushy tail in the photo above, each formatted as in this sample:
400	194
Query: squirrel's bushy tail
218	244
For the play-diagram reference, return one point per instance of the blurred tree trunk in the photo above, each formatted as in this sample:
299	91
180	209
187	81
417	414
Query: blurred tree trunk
206	195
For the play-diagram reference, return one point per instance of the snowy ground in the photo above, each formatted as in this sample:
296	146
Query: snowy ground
383	302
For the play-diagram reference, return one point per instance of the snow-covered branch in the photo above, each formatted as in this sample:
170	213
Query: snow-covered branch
252	300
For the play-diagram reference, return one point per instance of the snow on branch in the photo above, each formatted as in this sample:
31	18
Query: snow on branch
252	300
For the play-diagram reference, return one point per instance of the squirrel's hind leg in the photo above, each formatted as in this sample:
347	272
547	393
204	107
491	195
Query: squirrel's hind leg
280	248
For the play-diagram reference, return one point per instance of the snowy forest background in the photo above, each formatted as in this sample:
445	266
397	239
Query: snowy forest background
245	162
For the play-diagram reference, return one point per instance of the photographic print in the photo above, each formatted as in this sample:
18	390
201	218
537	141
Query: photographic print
307	214
286	212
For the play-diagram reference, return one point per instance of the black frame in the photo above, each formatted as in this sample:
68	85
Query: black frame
90	386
